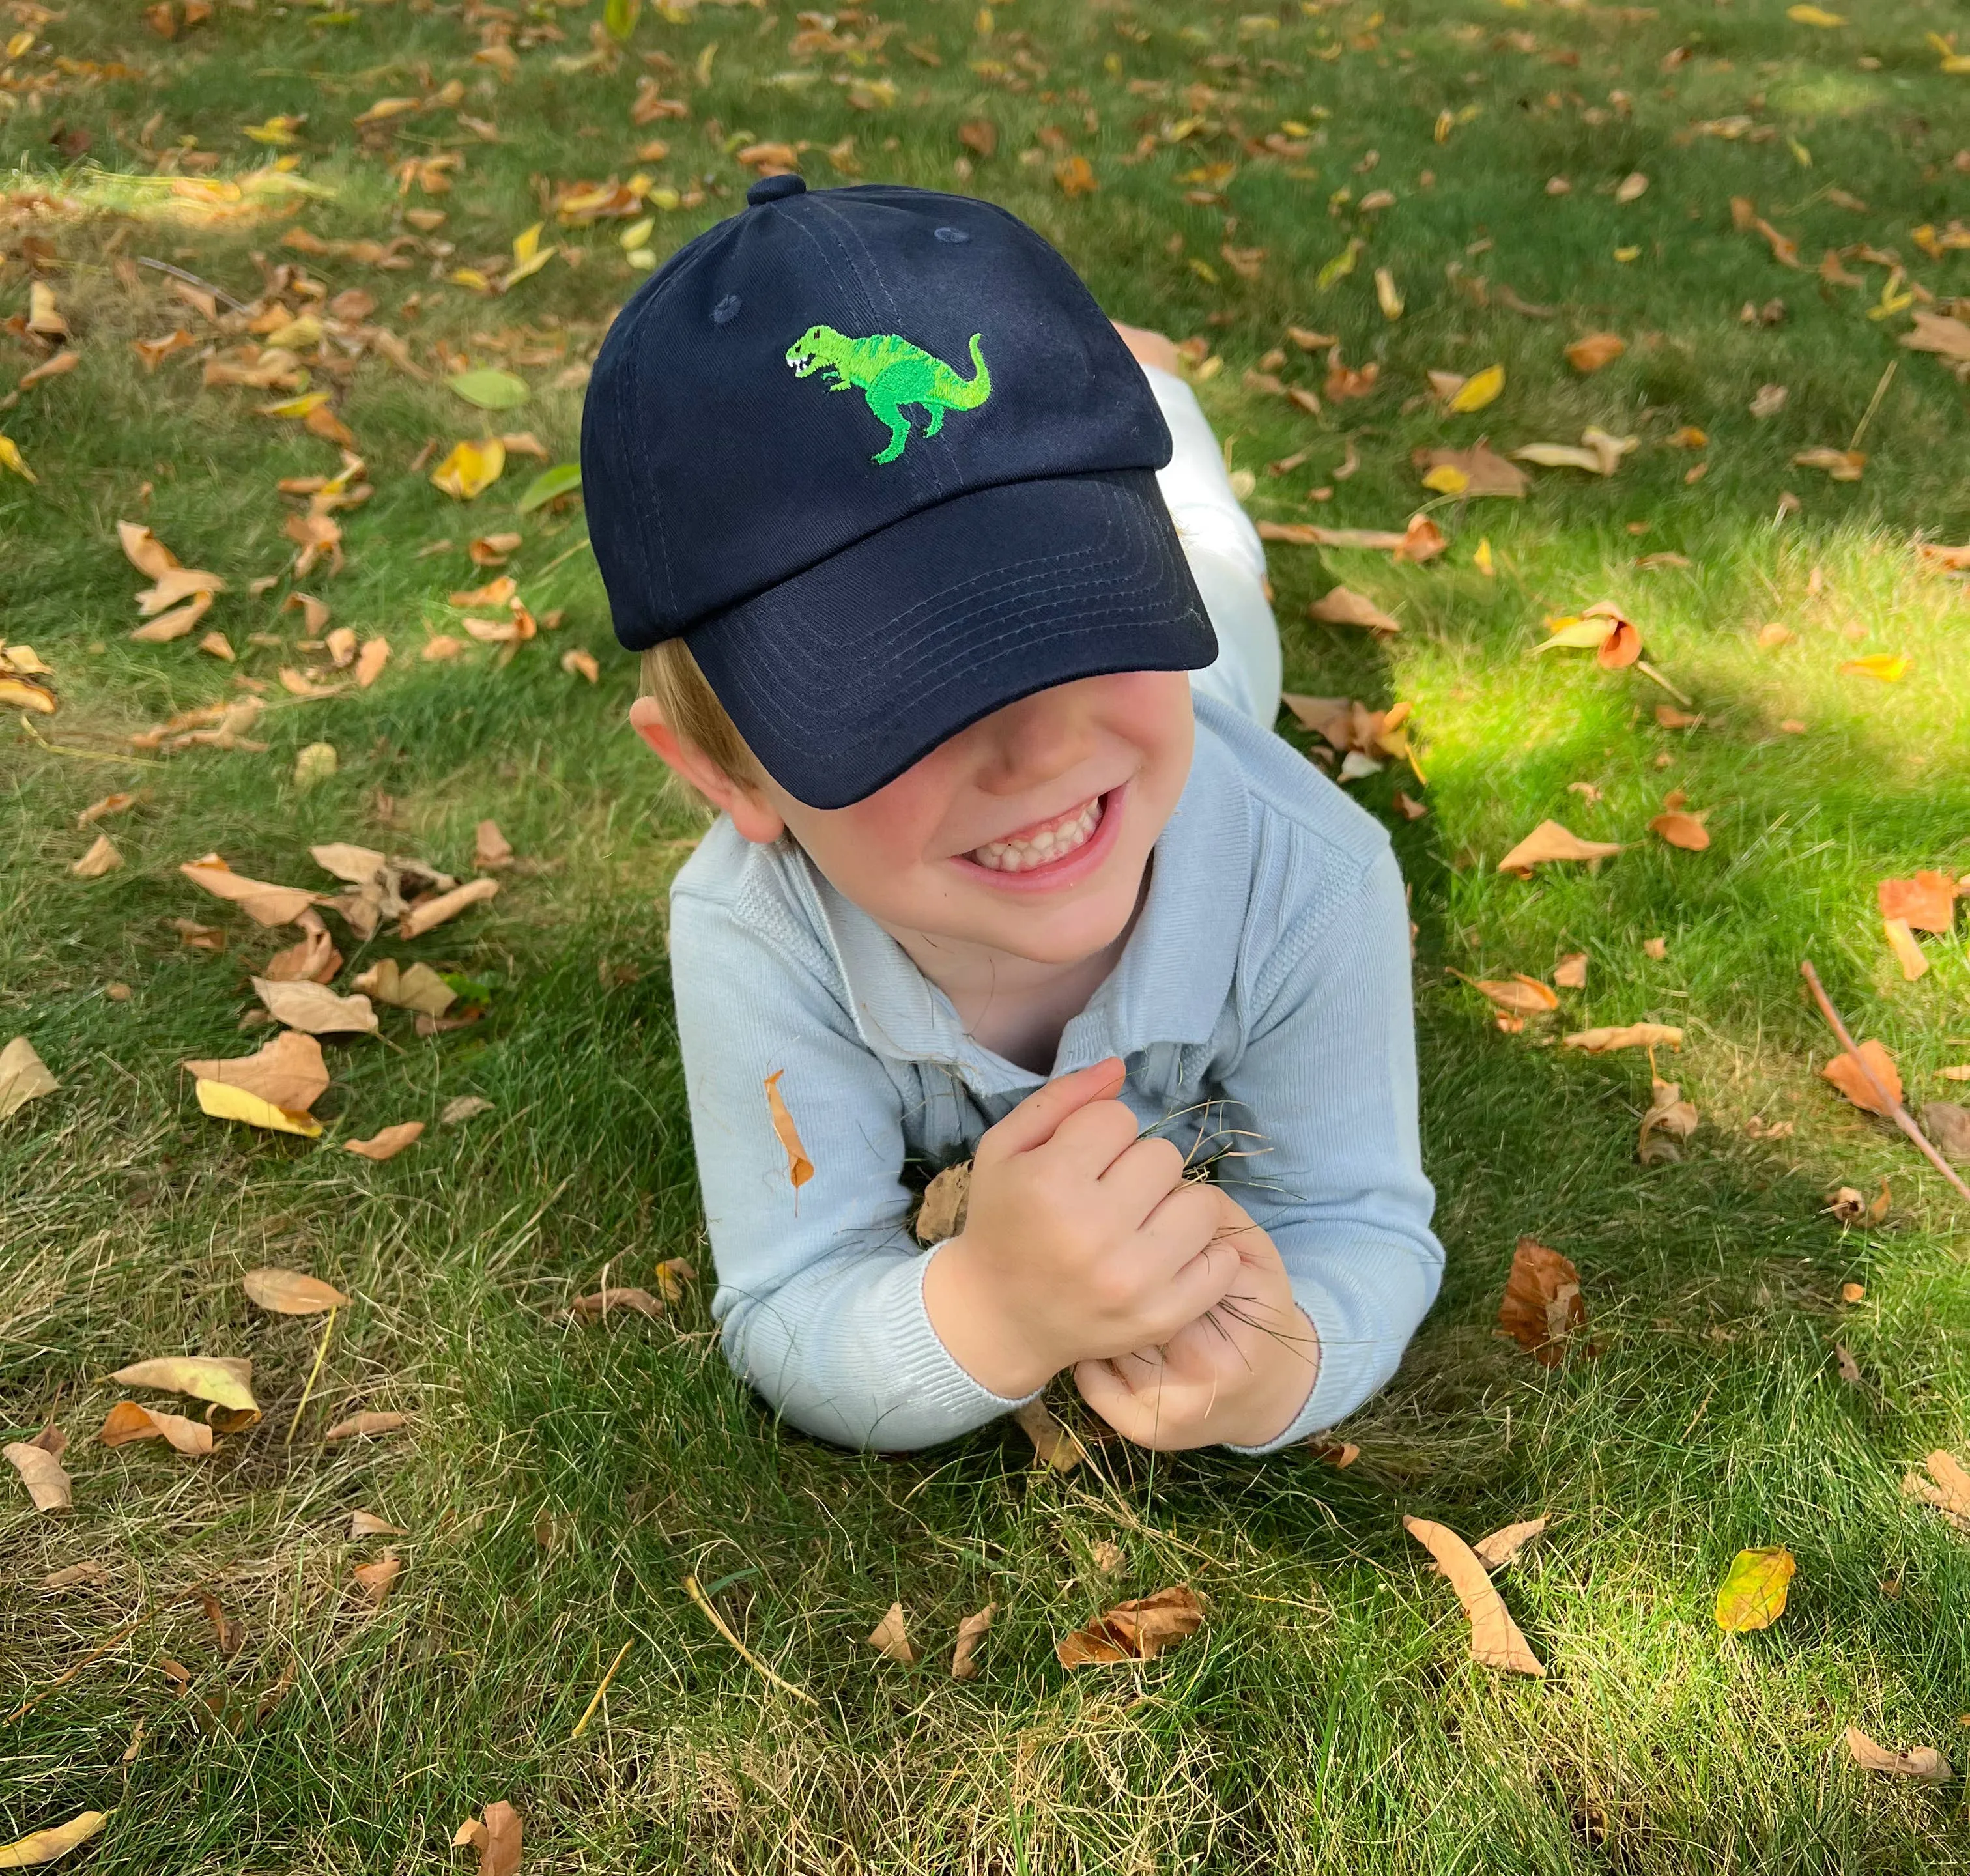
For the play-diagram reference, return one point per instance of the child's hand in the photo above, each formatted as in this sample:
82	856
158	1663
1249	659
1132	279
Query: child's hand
1080	1241
1237	1376
1150	348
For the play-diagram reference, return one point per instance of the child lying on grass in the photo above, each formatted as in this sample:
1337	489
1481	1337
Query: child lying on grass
1010	864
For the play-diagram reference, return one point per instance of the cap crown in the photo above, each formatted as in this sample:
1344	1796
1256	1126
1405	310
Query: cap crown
823	364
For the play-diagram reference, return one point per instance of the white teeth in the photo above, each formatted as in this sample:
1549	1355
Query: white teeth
1054	840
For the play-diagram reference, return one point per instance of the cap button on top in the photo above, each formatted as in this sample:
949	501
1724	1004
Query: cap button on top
771	188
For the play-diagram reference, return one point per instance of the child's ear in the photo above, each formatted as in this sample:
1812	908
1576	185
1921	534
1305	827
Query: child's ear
751	813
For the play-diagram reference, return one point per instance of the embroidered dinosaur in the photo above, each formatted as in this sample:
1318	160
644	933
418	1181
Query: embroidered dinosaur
890	373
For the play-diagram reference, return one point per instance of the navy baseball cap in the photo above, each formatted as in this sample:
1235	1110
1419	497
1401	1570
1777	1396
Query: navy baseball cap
879	460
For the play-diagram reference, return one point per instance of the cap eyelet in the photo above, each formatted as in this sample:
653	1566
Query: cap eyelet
727	310
951	234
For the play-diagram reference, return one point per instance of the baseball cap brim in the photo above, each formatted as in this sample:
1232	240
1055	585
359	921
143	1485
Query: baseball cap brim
842	677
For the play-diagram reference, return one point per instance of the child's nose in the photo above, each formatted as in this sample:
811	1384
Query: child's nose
1036	739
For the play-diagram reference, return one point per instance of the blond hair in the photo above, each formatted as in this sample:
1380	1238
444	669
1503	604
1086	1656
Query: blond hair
690	707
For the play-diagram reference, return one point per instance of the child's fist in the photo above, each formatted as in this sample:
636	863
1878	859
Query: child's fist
1082	1240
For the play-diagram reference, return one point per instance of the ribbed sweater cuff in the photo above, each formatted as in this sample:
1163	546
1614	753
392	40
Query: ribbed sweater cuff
931	1377
1344	1380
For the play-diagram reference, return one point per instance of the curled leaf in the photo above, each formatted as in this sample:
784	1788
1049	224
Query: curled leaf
1625	1035
1922	1763
1139	1630
1495	1639
799	1168
1542	1309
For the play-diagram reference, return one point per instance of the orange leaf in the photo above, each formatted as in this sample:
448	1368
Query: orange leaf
799	1168
1686	831
1134	1631
1542	1307
1928	902
1597	349
1550	841
1495	1640
1847	1075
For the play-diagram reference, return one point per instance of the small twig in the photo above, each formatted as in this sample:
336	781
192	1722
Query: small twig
567	554
588	1711
1649	671
746	1654
1891	1107
1873	404
314	1374
122	1635
87	755
192	279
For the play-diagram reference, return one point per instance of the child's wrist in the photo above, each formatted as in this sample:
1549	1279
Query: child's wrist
962	1304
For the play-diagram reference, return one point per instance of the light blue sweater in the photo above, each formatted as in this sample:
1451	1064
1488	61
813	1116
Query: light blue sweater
1265	986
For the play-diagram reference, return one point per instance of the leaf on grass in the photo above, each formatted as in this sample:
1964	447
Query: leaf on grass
597	1307
890	1636
1888	667
44	1846
314	1009
490	388
1752	1593
1476	392
1947	1123
1923	1763
1908	953
1625	1035
1847	1075
1343	607
388	1143
288	1073
971	1630
225	1101
497	1837
1542	1309
1682	830
1054	1445
1932	331
417	987
24	693
365	1426
491	849
1947	1488
1550	841
225	1380
1139	1630
263	903
428	914
291	1293
367	1524
88	1571
1570	973
1597	350
1840	465
375	1579
463	1107
1500	1547
370	660
1478	471
470	468
1669	1118
1927	901
799	1168
551	484
1495	1640
128	1421
24	1077
41	1470
1522	995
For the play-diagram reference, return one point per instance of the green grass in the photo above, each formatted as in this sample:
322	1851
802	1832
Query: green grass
1328	1717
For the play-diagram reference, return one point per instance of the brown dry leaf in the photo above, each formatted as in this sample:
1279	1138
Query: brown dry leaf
1932	331
491	849
1597	349
945	1202
290	1293
597	1308
970	1631
1669	1118
428	914
388	1143
289	1072
1495	1640
87	1572
1625	1035
263	903
1570	973
580	664
1840	465
40	1471
175	624
376	1580
1923	1763
1550	841
799	1168
370	660
365	1426
890	1637
1947	1488
1343	607
1522	995
1847	1075
1054	1445
463	1107
200	937
144	550
1682	830
497	1839
1908	953
1542	1309
102	857
224	1379
1948	1125
1477	471
419	987
109	804
1927	901
314	1009
367	1524
24	1077
1497	1550
45	1846
1139	1630
312	958
128	1421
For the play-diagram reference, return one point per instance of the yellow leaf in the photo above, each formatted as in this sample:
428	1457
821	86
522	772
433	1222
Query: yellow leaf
1447	478
1886	666
526	243
297	408
226	1380
799	1168
224	1102
1388	295
12	458
44	1846
1482	559
1479	390
471	469
1573	633
1752	1593
1815	16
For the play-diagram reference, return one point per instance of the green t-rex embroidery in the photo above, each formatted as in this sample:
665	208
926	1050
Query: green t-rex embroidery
890	373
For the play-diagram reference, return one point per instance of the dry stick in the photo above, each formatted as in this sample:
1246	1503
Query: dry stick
588	1711
1649	671
1873	404
122	1635
313	1374
697	1596
1892	1108
87	755
192	279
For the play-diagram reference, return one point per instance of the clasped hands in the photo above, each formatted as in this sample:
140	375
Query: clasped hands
1085	1248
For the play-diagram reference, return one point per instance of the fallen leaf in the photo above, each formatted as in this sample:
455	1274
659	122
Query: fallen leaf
388	1143
971	1630
263	903
672	1274
1669	1118
1927	901
1840	465
1075	177
1550	841
1542	1307
498	1840
1948	1125
1769	400
224	1379
44	1846
1627	1036
1570	973
24	1077
87	1572
290	1293
1475	472
1682	830
1597	350
128	1421
144	550
1908	953
578	663
1887	667
428	914
1923	1763
365	1426
1054	1445
1526	996
288	1073
1481	388
1501	1546
596	1308
463	1107
417	987
1804	15
491	849
223	1101
48	1485
799	1168
1139	1630
1752	1593
1947	1487
1343	606
470	468
489	388
945	1200
367	1524
1932	331
314	1009
370	660
1847	1075
376	1579
889	1638
1495	1639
